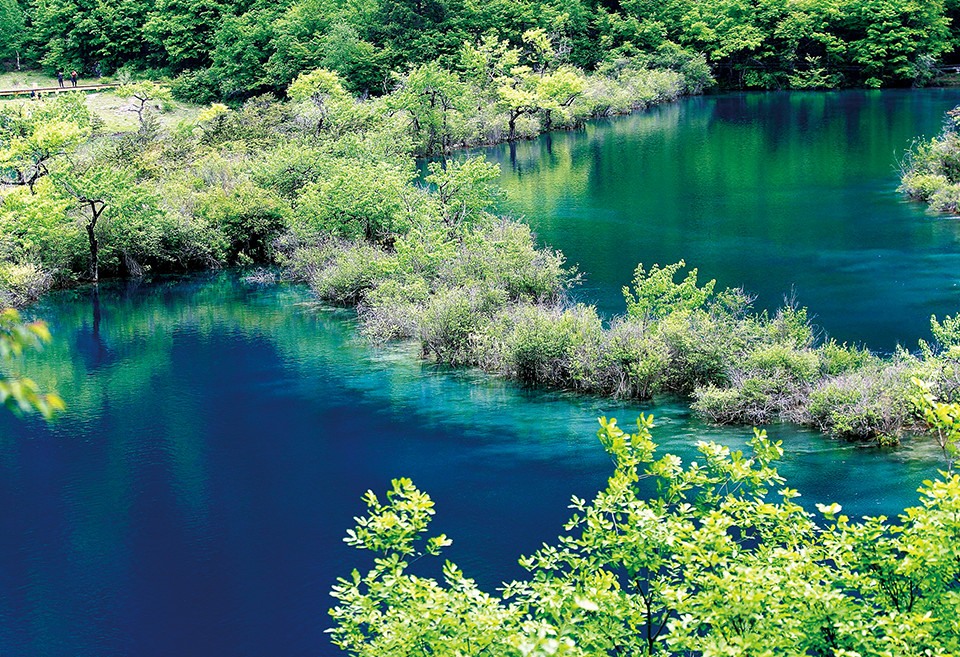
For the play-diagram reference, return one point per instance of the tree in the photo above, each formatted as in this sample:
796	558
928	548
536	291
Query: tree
701	559
117	214
143	93
20	394
432	97
33	135
12	29
323	90
463	189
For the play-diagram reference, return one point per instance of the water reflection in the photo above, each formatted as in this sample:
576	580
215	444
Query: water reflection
769	191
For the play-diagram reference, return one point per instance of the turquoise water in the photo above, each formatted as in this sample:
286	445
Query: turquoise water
780	193
193	498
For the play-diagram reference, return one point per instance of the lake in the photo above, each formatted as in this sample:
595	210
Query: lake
193	498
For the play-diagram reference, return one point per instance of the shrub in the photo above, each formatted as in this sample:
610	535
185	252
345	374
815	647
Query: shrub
248	216
839	358
198	87
21	284
450	322
545	345
866	404
633	361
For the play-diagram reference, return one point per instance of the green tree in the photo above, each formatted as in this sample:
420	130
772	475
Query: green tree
12	30
33	135
712	558
432	98
121	218
142	93
328	100
18	393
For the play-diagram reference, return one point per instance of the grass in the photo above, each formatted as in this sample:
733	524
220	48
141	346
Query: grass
119	114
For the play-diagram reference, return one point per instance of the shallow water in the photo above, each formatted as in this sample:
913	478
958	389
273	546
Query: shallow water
193	498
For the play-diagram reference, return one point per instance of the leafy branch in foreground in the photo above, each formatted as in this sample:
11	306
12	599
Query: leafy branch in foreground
20	394
710	558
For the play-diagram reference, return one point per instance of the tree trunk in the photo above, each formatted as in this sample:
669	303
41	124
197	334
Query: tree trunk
513	127
95	213
94	255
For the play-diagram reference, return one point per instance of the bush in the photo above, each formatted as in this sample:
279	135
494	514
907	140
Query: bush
871	404
248	216
198	87
545	345
632	363
450	323
345	272
22	284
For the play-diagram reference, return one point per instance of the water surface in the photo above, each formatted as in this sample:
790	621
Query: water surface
193	498
780	193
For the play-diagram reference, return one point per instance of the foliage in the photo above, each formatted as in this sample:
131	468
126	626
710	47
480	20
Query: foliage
34	135
930	171
143	93
18	393
225	49
670	559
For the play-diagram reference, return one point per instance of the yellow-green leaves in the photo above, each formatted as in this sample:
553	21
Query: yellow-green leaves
20	394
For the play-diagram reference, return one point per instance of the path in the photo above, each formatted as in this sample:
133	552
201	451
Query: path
25	91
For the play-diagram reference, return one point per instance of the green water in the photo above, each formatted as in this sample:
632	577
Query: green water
780	193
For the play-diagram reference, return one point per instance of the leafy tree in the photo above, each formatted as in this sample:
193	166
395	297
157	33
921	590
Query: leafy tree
463	189
143	93
120	217
655	294
17	393
670	559
12	30
489	61
323	90
33	135
432	98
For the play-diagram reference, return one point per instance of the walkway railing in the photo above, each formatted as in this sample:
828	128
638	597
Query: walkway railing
25	91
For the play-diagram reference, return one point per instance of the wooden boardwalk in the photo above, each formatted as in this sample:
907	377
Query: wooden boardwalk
25	91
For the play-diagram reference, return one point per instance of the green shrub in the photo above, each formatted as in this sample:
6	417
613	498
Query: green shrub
21	284
545	345
862	405
343	273
840	358
198	87
450	322
750	402
632	362
785	362
248	216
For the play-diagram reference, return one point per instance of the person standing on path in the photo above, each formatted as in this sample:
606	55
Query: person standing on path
60	78
73	78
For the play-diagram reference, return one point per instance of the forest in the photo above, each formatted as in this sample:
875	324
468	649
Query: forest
223	50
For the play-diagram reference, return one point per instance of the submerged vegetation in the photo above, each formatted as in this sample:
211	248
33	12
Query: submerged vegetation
714	557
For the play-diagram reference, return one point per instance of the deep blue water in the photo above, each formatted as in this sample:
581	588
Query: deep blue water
193	498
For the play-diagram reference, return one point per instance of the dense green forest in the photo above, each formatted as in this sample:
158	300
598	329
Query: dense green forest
308	166
235	49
